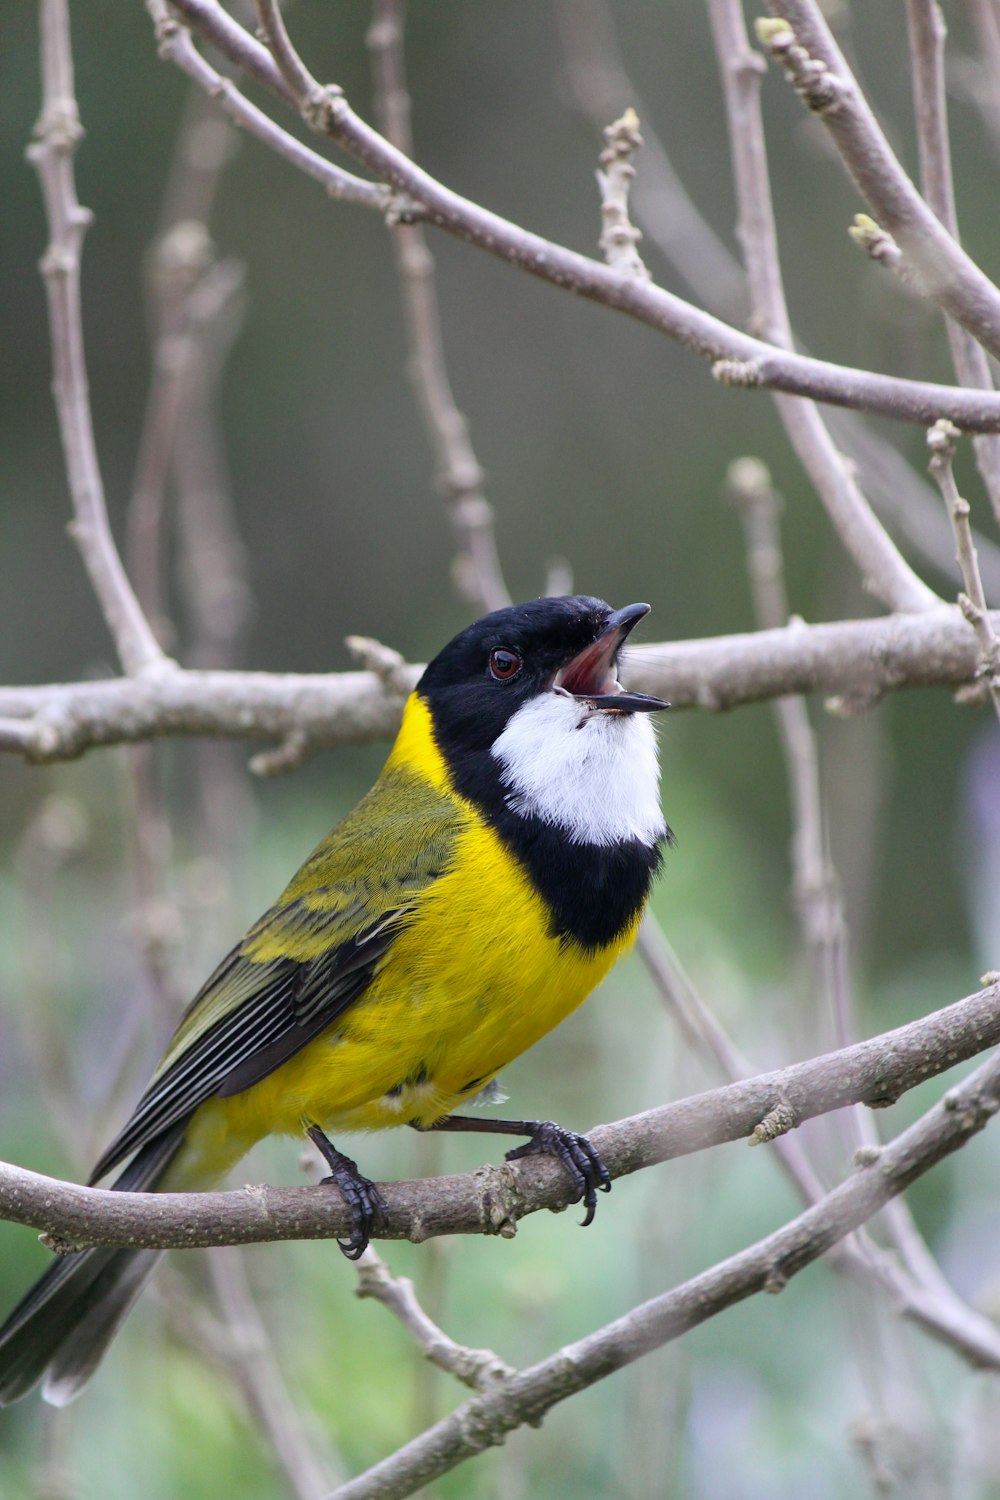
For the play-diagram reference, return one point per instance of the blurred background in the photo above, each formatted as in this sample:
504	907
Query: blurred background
128	874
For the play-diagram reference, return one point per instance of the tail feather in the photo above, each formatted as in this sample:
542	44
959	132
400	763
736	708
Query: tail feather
65	1321
107	1304
72	1318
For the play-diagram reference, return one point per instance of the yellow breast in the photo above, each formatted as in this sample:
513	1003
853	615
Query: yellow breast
474	979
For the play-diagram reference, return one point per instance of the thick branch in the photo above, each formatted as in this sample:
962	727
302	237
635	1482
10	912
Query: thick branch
764	1267
737	358
914	1285
853	662
492	1200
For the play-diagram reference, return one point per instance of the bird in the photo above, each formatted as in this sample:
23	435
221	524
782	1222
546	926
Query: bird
473	898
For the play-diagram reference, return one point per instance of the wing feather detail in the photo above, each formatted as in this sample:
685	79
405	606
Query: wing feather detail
308	959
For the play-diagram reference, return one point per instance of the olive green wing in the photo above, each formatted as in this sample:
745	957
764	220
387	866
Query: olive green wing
306	961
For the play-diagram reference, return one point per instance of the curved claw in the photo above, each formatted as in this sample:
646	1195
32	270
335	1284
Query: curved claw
578	1155
368	1208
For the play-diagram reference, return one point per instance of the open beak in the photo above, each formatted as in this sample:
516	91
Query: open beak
592	675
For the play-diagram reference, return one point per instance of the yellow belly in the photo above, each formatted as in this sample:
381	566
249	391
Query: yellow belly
471	982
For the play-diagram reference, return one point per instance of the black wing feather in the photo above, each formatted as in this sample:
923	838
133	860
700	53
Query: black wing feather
295	1002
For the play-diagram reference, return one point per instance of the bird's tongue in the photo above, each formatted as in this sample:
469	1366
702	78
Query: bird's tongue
592	673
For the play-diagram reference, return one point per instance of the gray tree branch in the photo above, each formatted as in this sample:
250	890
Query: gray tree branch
854	663
766	1266
57	135
491	1201
736	358
934	262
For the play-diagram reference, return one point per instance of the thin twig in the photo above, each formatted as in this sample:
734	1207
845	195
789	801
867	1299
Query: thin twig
477	1368
934	263
195	315
175	46
764	1267
213	569
737	359
619	242
249	1361
875	1072
884	571
601	86
816	888
983	84
602	89
927	37
192	296
942	438
460	478
58	830
57	135
814	881
905	499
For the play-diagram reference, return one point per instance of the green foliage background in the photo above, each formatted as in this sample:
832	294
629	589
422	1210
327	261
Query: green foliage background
603	445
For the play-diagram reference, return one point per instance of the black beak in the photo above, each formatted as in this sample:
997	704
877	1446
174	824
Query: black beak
592	675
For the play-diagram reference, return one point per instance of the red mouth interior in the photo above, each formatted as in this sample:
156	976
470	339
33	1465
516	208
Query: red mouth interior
592	674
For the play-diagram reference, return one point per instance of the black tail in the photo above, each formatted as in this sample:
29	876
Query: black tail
64	1323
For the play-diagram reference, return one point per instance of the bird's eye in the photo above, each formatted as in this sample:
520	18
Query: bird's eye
504	664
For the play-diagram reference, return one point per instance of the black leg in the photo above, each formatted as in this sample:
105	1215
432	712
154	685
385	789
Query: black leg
367	1206
576	1153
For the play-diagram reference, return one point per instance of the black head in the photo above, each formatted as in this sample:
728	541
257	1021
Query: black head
541	738
567	645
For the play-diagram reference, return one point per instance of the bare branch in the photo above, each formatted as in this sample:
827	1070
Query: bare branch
853	662
478	574
194	295
941	439
58	829
247	1355
736	358
927	38
902	495
935	263
985	70
875	1072
478	1368
882	567
175	46
347	708
601	86
814	880
916	1287
764	1267
601	89
57	135
619	242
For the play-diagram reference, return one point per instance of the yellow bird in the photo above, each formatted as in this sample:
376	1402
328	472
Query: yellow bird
474	897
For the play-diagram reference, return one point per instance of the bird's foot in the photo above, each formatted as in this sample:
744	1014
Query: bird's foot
368	1209
580	1158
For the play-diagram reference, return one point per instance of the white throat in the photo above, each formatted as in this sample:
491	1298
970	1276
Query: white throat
593	774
